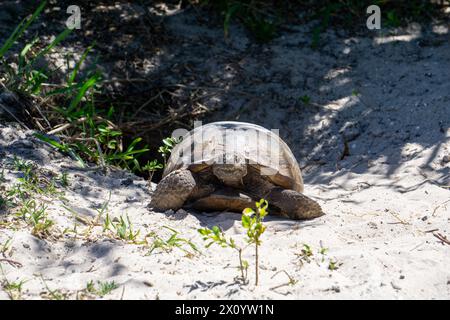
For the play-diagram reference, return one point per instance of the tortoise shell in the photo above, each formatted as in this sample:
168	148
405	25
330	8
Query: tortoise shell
260	148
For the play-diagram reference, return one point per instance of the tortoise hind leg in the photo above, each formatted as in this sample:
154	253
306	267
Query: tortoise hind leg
173	190
294	204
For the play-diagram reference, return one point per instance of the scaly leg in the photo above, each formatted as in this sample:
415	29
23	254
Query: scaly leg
173	190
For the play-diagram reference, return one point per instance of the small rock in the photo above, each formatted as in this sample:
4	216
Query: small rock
446	159
130	199
402	277
336	289
372	225
395	286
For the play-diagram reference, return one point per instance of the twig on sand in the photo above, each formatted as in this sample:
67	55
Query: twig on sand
291	281
397	218
12	262
437	207
442	238
12	115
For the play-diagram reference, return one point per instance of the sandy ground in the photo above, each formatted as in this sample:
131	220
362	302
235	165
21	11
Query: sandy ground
374	143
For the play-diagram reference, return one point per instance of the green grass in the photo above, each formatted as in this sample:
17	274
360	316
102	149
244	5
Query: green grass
102	289
35	215
85	129
252	222
121	228
306	255
173	241
13	289
106	288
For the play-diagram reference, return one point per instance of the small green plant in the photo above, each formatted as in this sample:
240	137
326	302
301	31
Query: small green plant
392	19
101	212
323	252
22	165
173	241
333	265
123	228
64	179
31	180
13	289
306	253
36	216
253	222
102	289
106	287
217	236
151	167
305	99
5	247
165	150
90	287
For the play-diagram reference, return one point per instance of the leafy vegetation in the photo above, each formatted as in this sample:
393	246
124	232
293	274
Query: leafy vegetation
173	241
84	128
216	236
102	289
122	228
253	224
307	255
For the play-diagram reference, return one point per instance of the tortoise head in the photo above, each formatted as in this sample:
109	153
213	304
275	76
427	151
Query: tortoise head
230	170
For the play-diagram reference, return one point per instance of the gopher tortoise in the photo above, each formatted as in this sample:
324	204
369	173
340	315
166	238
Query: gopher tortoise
228	166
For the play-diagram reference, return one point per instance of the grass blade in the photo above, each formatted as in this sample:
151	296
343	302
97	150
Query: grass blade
20	29
78	65
92	81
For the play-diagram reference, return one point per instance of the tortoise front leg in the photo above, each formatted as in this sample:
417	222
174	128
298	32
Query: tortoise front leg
173	190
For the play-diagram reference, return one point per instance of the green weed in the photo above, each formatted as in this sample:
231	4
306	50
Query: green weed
35	215
216	236
253	224
165	150
85	129
173	241
122	228
102	289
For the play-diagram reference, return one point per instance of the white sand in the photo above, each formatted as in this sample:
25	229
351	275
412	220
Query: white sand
375	229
